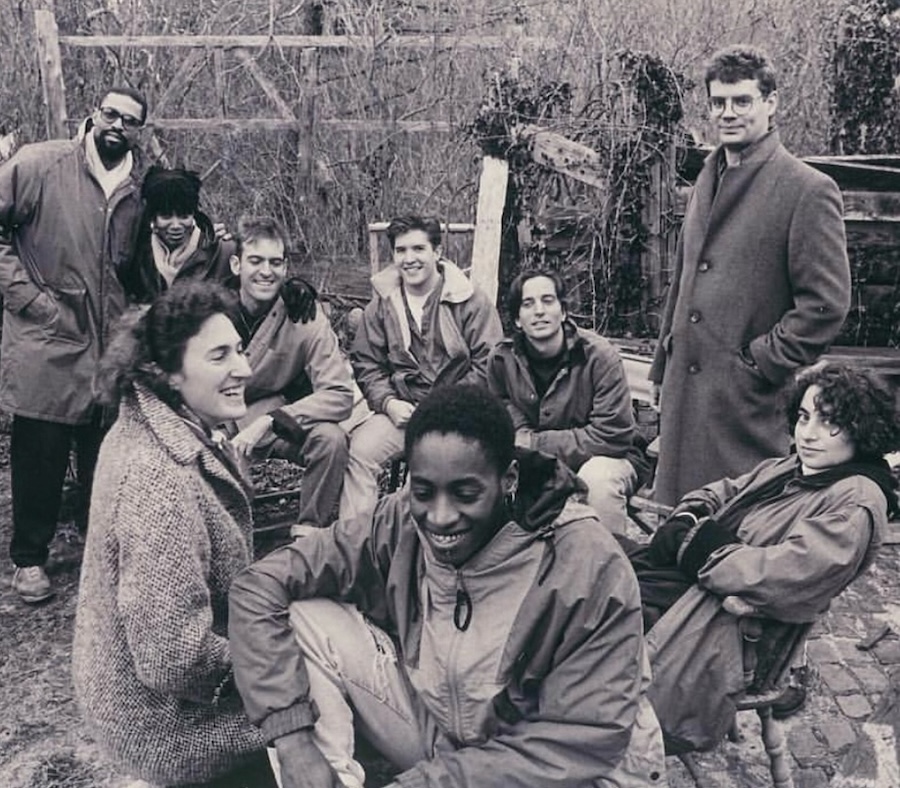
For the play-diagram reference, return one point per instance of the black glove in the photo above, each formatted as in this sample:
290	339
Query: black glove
299	297
710	536
663	549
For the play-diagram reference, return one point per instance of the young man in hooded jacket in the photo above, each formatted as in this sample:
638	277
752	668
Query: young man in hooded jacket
482	629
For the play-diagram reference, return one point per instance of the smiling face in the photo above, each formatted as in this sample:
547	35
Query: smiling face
456	495
262	269
117	125
541	314
213	372
820	444
173	229
417	260
740	112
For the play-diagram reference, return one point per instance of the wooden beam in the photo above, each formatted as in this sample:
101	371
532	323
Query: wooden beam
50	61
268	87
488	225
218	56
181	79
275	124
564	155
450	42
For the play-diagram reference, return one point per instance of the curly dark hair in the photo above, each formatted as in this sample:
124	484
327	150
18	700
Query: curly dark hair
742	61
854	401
149	343
469	411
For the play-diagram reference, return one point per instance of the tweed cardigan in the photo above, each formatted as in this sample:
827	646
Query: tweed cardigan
170	527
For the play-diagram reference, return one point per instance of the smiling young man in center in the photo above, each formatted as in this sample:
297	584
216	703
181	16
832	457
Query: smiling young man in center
426	326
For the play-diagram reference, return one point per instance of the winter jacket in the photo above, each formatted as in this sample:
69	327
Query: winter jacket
569	682
170	529
61	243
797	552
467	323
586	412
211	261
761	287
298	367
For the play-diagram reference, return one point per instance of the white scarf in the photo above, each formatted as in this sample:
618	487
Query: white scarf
109	180
168	262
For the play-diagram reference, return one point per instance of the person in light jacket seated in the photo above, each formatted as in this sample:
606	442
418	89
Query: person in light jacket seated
780	542
481	627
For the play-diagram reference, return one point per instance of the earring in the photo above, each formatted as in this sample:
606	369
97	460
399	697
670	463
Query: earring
510	497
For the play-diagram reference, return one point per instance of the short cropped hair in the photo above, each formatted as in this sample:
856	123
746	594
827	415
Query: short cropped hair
401	225
742	61
854	401
149	345
514	294
127	90
469	411
255	228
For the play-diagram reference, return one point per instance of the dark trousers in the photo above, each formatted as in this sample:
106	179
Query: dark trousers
324	453
256	773
39	456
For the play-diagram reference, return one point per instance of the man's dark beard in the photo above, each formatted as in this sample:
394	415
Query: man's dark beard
111	146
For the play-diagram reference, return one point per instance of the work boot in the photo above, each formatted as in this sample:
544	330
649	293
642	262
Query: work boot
32	584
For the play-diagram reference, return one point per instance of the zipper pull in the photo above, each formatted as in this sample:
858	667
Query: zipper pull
462	611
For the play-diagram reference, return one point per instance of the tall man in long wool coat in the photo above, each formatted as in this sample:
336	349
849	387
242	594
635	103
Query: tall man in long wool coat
761	287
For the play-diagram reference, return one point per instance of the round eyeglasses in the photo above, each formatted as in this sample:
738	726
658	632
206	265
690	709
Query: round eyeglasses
111	115
740	105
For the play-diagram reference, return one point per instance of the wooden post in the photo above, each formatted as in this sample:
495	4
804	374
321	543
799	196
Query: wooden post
50	61
309	62
488	224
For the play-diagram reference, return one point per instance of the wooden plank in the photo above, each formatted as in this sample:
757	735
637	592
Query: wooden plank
50	62
268	87
182	79
276	124
449	42
488	224
219	80
564	155
871	206
309	63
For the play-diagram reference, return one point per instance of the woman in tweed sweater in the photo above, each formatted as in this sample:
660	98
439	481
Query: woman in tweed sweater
170	527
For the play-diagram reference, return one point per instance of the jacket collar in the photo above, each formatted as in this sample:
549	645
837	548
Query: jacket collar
575	341
455	289
181	440
754	154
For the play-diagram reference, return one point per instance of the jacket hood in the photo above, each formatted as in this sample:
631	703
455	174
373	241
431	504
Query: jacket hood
456	287
545	486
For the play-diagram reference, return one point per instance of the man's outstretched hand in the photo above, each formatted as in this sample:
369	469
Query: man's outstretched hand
302	763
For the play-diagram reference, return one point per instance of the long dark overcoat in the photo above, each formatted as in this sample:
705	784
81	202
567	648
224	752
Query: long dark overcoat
761	264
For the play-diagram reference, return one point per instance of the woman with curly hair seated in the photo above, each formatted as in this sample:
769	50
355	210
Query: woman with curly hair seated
779	542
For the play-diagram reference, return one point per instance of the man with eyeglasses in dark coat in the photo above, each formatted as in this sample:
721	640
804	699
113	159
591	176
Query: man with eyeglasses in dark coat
761	287
68	214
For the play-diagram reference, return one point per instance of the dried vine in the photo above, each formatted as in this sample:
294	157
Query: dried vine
596	238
